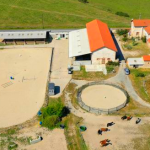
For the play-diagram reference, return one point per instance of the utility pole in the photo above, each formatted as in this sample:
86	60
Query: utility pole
43	21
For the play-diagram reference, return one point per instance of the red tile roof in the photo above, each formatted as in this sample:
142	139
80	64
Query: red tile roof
147	29
99	36
148	40
141	22
146	57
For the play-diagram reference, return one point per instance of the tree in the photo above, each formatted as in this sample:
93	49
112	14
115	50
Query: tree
144	39
122	32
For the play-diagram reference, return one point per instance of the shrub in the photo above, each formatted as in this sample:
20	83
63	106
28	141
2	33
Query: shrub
134	43
124	39
127	46
144	39
111	63
140	74
122	32
109	68
83	1
133	39
122	14
51	121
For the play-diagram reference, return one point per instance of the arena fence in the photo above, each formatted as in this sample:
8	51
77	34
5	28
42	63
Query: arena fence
100	110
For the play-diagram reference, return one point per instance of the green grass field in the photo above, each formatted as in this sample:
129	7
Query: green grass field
68	13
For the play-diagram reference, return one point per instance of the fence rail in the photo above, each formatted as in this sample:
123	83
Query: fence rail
100	110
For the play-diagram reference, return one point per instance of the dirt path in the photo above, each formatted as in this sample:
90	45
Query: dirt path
52	140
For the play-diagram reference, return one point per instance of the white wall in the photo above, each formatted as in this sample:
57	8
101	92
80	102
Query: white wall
106	53
134	30
146	34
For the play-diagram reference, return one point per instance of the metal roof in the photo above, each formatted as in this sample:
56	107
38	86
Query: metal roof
51	86
135	61
23	34
78	43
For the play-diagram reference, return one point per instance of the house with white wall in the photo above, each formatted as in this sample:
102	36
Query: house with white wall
140	28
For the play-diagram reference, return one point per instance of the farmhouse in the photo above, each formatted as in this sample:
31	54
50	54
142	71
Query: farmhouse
92	45
140	28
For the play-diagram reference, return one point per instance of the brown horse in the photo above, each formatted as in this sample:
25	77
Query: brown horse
104	142
104	129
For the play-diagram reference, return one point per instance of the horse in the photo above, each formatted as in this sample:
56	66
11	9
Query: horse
129	118
104	142
104	129
124	117
110	124
138	120
99	132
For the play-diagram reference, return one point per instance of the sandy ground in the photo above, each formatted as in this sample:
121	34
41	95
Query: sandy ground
121	133
21	98
52	140
61	61
103	96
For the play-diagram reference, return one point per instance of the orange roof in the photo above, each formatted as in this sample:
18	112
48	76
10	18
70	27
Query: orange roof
148	40
141	22
147	29
99	36
146	57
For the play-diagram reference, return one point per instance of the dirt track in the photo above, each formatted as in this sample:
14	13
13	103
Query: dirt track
103	96
21	98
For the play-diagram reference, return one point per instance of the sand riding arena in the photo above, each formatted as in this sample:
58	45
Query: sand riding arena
22	96
101	97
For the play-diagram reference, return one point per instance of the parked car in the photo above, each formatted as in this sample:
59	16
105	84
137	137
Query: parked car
127	71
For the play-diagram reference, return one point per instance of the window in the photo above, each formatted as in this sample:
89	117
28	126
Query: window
103	60
137	33
108	59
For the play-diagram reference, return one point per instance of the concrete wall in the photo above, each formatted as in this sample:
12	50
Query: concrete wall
98	56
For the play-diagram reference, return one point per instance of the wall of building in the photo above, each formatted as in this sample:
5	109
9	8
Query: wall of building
102	56
135	30
84	62
146	34
60	35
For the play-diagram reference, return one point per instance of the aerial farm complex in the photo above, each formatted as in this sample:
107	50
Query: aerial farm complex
73	80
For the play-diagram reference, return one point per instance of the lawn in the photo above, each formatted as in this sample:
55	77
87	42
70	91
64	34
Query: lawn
20	14
94	76
139	50
138	83
134	109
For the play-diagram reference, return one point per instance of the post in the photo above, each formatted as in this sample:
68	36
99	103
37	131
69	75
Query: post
43	21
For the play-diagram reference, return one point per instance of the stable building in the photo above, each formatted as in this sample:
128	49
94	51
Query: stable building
23	36
93	45
142	62
135	62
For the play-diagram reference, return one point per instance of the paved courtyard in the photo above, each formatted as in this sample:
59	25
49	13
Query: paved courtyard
60	63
